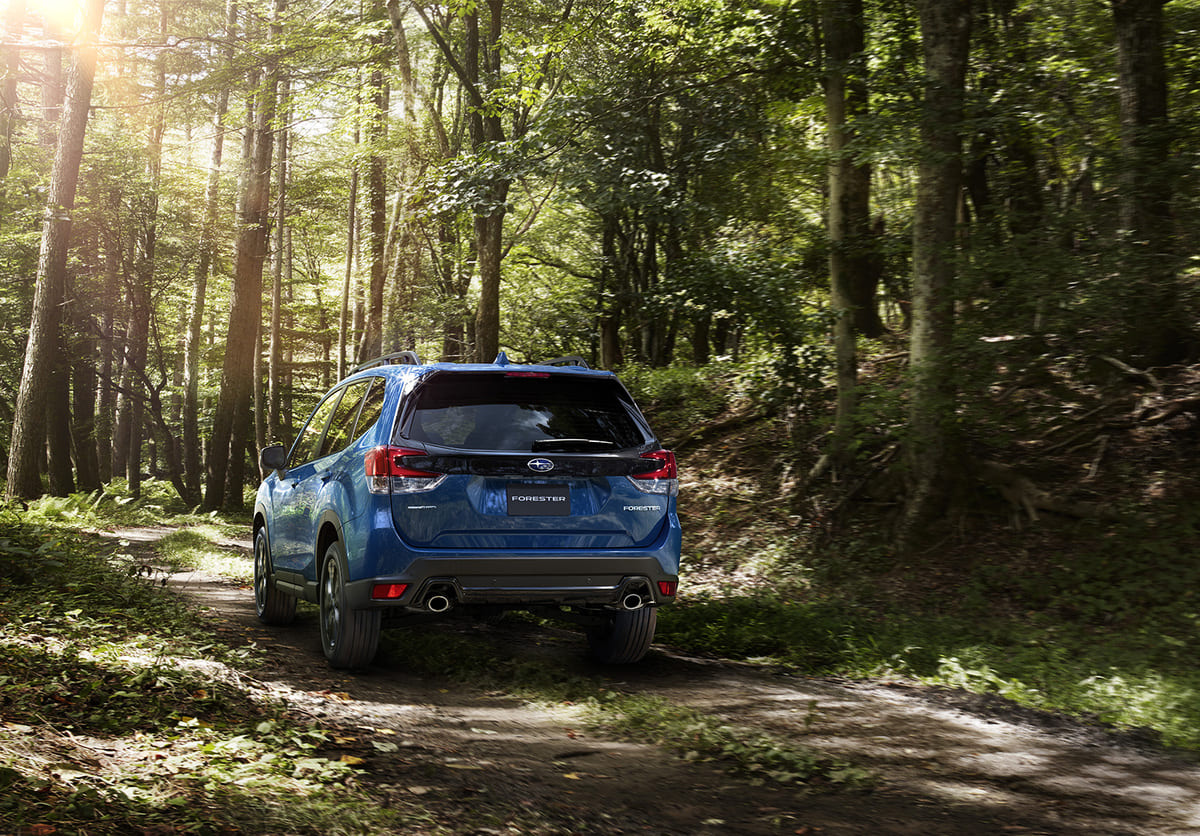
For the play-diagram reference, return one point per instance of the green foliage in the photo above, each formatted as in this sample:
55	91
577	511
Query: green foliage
1101	630
763	625
681	397
112	505
93	649
694	734
704	737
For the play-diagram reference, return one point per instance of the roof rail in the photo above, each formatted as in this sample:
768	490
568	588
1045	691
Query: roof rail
403	358
572	360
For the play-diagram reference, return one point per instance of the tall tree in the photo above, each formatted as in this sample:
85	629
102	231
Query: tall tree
851	267
1157	326
478	67
371	344
931	454
23	479
208	236
231	420
14	21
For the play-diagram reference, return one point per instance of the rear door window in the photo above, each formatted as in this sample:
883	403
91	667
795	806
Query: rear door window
341	425
556	413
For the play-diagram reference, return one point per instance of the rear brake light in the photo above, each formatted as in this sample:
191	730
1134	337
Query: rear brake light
667	468
526	374
663	480
387	473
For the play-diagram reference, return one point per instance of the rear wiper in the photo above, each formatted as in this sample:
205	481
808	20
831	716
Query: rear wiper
570	445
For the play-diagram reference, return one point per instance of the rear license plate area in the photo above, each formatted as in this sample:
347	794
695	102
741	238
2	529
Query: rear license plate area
538	500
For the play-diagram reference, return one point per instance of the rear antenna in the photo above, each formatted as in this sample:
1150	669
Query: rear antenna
501	359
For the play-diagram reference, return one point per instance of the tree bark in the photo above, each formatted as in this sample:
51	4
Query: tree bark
14	23
479	73
1158	329
137	341
278	266
208	234
851	274
23	479
344	335
931	449
231	419
372	338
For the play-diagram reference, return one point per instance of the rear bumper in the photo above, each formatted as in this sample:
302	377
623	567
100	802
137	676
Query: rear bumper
517	579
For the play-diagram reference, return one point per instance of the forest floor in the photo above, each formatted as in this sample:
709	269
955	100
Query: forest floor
940	761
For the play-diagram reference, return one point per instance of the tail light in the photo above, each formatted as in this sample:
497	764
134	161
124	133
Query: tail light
387	472
662	480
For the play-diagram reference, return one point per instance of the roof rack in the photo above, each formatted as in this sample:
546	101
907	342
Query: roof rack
402	358
572	360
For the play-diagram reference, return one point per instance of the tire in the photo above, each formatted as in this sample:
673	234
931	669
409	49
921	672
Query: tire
349	637
271	605
625	638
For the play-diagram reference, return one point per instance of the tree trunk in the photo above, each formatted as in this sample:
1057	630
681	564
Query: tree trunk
107	399
44	326
1158	329
231	419
479	73
275	338
14	24
137	343
58	425
192	348
931	449
851	275
351	244
372	338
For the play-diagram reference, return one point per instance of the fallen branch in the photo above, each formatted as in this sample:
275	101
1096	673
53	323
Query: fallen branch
1170	409
1129	371
1024	495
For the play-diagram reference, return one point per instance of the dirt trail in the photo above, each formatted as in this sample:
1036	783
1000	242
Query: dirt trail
947	763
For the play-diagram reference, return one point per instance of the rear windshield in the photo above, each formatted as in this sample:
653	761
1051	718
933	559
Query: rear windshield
528	414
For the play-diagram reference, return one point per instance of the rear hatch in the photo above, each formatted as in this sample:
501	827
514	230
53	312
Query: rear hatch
519	459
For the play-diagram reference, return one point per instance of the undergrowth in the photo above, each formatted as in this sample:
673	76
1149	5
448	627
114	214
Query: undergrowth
692	734
122	714
1098	624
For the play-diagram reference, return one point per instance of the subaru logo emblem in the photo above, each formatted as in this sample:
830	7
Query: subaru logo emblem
540	465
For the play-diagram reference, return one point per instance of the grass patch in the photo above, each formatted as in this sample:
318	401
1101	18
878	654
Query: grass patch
198	548
1102	635
121	714
694	735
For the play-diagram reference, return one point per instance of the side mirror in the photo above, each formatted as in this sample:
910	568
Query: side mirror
274	457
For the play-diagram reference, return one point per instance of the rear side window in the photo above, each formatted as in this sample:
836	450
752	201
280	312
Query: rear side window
556	413
341	425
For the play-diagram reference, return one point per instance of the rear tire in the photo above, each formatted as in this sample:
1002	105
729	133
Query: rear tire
625	637
349	637
271	605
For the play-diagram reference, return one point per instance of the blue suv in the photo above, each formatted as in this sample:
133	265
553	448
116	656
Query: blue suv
417	489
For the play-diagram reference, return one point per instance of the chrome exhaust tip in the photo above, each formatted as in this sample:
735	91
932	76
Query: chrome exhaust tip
438	603
633	601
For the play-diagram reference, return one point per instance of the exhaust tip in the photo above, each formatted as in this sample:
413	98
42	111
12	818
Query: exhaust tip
437	603
633	601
